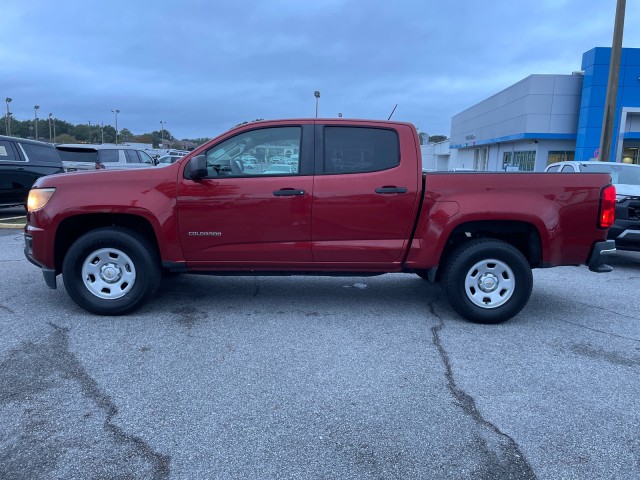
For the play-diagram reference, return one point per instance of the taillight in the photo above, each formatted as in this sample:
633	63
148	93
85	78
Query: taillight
607	213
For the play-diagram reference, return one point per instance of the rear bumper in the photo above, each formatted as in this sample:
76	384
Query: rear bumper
598	254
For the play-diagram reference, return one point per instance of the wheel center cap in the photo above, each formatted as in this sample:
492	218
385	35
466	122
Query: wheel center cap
110	272
488	282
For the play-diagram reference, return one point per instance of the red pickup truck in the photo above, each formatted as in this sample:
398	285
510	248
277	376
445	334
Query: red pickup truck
315	197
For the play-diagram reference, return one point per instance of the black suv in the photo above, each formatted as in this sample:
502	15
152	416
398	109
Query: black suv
22	162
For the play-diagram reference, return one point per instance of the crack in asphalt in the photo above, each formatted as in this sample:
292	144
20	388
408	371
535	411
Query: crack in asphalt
623	337
33	369
7	309
510	463
597	307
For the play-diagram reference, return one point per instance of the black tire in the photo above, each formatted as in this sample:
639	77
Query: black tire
111	271
487	281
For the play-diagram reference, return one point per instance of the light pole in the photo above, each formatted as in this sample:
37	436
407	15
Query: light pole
317	95
102	133
116	111
162	133
35	116
89	131
50	137
8	118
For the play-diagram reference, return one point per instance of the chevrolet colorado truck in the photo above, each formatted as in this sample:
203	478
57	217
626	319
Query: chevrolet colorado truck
349	198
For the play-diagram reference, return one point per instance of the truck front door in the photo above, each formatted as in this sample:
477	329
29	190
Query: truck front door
253	210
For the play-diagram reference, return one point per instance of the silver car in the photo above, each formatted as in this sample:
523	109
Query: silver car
96	157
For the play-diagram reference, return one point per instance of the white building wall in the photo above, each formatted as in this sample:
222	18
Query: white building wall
523	117
435	156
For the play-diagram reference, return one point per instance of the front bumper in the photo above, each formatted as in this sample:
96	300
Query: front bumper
48	273
601	250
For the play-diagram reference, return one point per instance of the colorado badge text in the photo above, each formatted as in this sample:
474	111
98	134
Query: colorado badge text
205	234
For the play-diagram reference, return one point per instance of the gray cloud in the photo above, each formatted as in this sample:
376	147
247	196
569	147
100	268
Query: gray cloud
205	66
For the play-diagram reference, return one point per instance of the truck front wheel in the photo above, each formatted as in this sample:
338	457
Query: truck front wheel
487	281
111	271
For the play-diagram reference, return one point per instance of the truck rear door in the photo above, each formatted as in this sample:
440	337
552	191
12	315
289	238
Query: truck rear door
365	193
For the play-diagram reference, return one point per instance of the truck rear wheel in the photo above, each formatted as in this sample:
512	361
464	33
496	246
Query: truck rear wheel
487	281
111	271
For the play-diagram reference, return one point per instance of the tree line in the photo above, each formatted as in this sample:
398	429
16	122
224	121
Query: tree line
59	131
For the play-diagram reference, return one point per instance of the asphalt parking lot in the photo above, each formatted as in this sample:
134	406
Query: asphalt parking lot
266	377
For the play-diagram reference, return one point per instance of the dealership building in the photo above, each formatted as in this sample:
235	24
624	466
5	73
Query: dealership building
546	118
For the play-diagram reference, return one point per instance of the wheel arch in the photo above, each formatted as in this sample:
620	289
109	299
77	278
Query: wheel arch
522	235
72	228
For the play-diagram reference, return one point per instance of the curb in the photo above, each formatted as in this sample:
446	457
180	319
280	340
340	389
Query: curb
13	225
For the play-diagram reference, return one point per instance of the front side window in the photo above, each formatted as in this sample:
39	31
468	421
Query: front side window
145	158
356	149
267	151
6	152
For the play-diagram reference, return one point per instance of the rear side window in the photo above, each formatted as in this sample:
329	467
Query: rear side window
7	154
109	156
567	169
355	149
41	153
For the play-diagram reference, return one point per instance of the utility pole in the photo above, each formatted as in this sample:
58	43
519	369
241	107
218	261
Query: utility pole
50	137
8	118
162	133
35	119
317	95
612	85
116	111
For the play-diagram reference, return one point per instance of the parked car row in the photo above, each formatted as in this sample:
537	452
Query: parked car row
23	161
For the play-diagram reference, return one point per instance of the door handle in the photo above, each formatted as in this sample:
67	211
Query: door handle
385	190
288	192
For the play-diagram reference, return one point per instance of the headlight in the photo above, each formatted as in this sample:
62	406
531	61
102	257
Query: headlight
620	197
38	198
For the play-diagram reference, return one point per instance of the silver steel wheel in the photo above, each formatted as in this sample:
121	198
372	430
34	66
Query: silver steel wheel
108	273
490	283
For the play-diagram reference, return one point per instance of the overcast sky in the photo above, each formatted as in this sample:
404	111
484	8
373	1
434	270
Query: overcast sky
203	66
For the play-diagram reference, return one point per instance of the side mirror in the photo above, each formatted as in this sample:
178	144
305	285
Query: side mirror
198	168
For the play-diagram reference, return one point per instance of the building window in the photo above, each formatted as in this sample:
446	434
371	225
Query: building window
522	161
631	155
560	156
